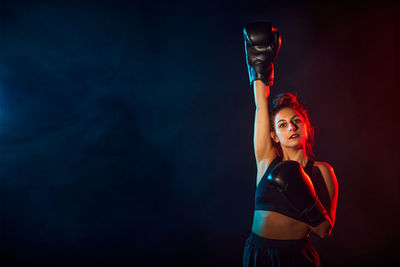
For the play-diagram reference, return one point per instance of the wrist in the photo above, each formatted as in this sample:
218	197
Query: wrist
259	85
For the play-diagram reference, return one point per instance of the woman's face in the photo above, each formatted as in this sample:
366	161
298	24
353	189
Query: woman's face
290	129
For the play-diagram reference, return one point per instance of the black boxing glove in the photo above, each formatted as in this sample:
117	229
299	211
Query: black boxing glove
262	42
291	180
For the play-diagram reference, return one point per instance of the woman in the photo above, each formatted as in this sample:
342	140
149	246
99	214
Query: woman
295	195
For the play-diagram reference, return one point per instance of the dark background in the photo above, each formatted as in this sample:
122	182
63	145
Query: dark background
126	127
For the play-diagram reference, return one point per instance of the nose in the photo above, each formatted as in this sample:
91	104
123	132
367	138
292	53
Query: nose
293	126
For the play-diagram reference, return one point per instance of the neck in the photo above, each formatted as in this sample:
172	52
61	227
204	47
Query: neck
295	154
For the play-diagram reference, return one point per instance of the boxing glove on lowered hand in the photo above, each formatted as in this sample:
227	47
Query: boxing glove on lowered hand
291	180
262	43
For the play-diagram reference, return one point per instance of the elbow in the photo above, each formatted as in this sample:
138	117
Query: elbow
324	233
323	230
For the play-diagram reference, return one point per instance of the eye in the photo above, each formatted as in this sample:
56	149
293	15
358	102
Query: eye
297	120
282	125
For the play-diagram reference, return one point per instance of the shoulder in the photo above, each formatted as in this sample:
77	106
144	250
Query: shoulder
329	177
323	166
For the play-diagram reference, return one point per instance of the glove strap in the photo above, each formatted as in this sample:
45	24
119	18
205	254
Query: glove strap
266	75
315	214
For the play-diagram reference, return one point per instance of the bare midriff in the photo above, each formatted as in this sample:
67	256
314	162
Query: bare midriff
273	225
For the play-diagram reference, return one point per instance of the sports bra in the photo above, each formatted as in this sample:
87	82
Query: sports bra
268	198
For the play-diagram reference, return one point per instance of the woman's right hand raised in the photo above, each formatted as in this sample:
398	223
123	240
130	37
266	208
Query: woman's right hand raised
262	43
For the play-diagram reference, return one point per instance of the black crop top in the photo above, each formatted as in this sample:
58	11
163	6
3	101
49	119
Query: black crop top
268	198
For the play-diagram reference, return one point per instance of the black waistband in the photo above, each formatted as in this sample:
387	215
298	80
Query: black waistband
262	242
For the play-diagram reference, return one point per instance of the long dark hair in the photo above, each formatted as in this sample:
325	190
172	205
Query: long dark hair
288	100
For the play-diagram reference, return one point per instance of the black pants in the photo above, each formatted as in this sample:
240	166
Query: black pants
260	251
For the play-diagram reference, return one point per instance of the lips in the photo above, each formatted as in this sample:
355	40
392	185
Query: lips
294	136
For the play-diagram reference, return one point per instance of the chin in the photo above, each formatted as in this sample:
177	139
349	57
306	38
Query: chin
298	145
293	145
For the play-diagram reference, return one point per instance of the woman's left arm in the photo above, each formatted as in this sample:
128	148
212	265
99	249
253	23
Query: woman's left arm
325	228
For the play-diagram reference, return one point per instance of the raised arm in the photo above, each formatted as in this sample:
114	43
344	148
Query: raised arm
262	43
263	146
